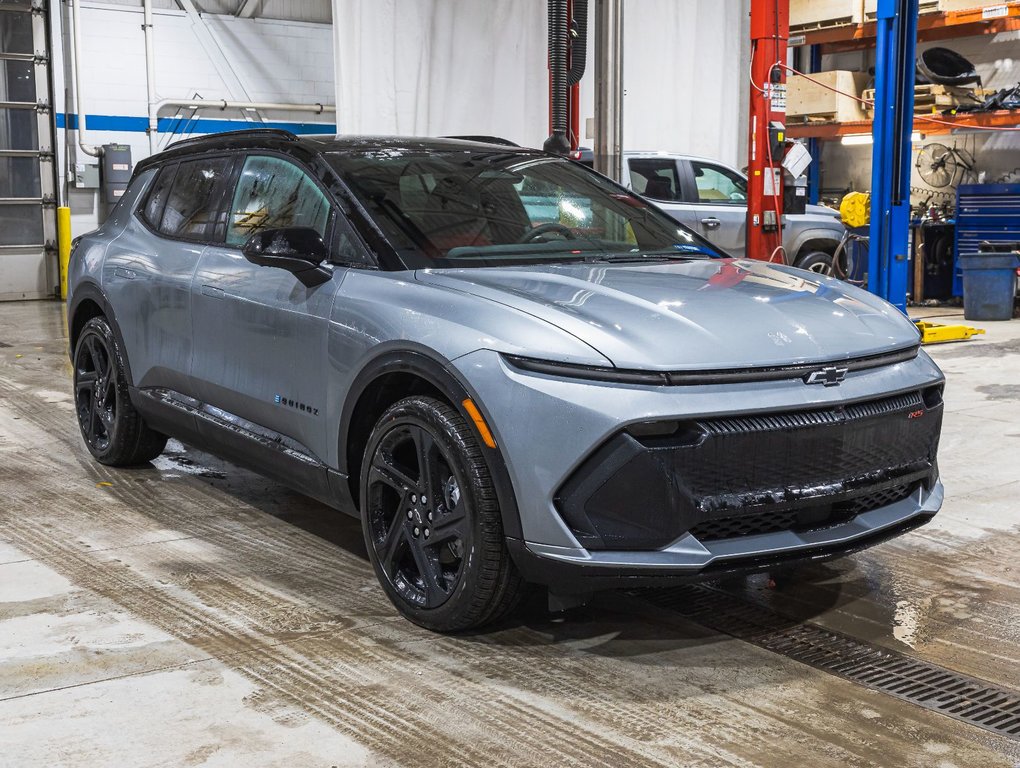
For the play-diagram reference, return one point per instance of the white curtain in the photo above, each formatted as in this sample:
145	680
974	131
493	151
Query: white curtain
442	67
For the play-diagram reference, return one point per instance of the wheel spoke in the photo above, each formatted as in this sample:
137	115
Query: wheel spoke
425	447
429	570
93	350
448	526
386	472
94	424
109	391
390	546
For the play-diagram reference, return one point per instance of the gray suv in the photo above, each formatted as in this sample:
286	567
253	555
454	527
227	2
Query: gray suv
512	369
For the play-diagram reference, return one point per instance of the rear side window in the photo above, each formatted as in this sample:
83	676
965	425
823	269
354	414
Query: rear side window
156	201
656	178
191	204
273	193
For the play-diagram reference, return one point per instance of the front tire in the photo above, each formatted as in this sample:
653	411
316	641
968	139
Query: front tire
431	519
114	432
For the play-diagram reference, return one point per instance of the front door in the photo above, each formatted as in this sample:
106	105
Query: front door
260	334
28	265
718	202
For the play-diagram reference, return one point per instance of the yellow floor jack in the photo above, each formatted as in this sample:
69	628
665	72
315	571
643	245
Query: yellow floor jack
936	333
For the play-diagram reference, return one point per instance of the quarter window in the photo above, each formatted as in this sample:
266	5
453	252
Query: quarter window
191	204
719	185
273	193
158	194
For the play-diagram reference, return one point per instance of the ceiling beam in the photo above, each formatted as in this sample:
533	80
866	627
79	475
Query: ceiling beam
247	9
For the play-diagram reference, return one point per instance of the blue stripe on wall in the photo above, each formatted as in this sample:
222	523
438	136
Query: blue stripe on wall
132	124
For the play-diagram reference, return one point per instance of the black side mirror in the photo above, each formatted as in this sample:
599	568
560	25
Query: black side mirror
299	250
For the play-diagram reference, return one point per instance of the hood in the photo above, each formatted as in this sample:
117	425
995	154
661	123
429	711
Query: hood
713	313
825	211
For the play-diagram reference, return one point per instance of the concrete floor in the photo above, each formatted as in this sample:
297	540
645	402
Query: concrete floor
191	613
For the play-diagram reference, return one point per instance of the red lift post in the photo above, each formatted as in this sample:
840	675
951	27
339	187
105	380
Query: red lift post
770	30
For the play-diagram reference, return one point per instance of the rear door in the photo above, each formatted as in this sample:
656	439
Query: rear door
658	179
149	269
260	334
717	197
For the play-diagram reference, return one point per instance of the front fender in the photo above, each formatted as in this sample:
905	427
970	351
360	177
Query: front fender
421	361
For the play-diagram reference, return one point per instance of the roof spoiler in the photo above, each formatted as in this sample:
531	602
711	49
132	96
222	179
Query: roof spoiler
484	140
254	133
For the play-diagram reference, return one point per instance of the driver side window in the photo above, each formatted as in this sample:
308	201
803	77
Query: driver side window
719	185
273	193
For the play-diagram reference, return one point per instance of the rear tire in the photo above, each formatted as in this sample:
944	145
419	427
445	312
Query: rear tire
114	432
432	521
817	261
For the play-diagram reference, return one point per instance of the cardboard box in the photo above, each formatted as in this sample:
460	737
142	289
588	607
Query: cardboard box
966	5
926	6
818	14
805	98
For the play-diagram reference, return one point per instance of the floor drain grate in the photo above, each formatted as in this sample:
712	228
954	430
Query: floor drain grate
928	685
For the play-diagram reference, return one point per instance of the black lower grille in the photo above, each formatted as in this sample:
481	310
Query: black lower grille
752	473
806	519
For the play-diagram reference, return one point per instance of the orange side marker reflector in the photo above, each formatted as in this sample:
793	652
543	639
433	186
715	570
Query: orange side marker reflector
480	425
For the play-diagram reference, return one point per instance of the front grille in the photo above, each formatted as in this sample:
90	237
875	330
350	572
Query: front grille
724	477
807	519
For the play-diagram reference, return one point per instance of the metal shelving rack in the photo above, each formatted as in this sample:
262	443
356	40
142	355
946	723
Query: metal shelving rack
990	20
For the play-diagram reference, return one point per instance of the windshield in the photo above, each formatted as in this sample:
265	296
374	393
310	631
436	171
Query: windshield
495	208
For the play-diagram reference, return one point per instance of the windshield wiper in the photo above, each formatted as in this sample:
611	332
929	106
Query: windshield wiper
619	258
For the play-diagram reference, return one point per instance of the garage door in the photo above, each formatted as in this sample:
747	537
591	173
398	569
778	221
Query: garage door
27	213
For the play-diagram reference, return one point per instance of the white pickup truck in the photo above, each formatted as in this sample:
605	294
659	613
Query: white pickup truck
711	199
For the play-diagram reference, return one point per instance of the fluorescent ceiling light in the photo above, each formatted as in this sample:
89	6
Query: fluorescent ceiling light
860	139
857	139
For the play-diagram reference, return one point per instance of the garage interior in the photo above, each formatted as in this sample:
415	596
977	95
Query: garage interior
190	612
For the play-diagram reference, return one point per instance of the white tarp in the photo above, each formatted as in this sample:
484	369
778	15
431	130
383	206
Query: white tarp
441	67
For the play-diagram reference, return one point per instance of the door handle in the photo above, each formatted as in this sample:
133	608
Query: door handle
711	223
216	293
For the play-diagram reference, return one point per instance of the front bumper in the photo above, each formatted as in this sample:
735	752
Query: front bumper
569	450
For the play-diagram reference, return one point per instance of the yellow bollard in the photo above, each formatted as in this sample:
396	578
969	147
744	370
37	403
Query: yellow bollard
63	246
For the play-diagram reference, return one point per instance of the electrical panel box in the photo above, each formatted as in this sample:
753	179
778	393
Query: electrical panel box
116	171
86	176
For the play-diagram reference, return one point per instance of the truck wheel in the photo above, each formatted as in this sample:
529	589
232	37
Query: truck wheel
817	261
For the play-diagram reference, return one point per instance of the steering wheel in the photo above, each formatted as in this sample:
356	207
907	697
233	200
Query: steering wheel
548	227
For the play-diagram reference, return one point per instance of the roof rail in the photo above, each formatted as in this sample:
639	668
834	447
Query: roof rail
254	133
484	140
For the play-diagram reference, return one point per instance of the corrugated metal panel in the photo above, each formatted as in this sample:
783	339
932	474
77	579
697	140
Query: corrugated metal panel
319	11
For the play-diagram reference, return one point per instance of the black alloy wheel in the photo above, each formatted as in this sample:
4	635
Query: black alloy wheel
95	391
432	523
418	522
114	432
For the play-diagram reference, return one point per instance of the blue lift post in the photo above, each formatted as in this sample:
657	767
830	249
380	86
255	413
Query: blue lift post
895	54
814	145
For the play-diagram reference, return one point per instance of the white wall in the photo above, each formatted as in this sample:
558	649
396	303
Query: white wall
275	60
435	67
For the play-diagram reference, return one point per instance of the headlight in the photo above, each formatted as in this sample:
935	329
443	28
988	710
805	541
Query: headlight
589	372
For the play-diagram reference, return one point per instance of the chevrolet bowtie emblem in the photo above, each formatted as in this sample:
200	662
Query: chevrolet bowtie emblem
830	376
